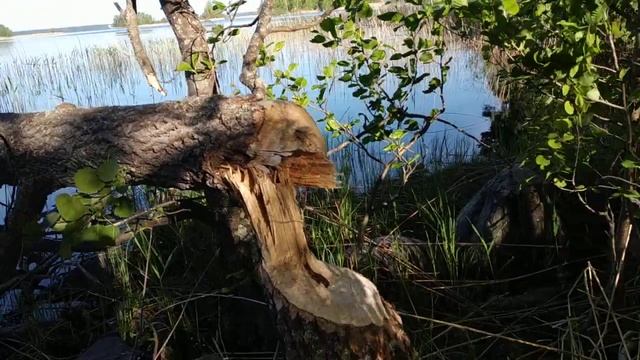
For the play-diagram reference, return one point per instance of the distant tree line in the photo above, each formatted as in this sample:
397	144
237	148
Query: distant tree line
143	19
213	8
5	31
286	6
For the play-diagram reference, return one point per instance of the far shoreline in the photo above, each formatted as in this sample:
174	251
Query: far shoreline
42	34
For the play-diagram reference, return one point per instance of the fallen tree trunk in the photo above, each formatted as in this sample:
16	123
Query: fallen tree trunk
163	144
261	149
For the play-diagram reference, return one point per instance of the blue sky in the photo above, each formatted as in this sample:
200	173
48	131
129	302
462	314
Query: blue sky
44	14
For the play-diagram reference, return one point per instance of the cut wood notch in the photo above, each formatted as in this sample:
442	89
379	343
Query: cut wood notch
320	308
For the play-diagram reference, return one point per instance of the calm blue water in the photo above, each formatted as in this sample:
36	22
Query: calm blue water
97	68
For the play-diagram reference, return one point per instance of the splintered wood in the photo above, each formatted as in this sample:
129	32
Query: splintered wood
321	307
339	295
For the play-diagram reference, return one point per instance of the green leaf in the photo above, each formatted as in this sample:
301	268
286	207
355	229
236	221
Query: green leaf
218	6
318	39
559	183
630	164
616	29
99	233
279	46
554	144
185	66
511	7
378	55
329	25
52	218
622	73
70	207
370	44
565	89
332	124
393	16
87	181
426	57
593	94
60	226
460	3
366	11
397	134
107	171
542	161
578	35
574	70
123	208
359	92
568	107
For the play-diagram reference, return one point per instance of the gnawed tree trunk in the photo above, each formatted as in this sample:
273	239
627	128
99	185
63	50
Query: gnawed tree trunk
192	41
323	311
262	149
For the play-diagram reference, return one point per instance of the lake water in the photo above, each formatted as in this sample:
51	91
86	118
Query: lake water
97	69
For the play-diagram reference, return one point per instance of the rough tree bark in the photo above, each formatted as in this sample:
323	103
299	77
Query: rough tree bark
192	41
162	144
262	149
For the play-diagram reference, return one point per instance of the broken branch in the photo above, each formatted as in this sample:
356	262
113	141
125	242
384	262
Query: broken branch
131	18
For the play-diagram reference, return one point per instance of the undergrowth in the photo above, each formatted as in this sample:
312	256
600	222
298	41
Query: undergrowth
178	282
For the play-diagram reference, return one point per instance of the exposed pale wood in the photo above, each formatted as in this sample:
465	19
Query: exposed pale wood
339	311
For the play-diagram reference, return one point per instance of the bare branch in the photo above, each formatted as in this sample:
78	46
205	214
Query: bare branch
239	26
249	76
429	119
130	16
303	26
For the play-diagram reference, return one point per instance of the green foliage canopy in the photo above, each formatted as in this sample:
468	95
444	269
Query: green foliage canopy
578	58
